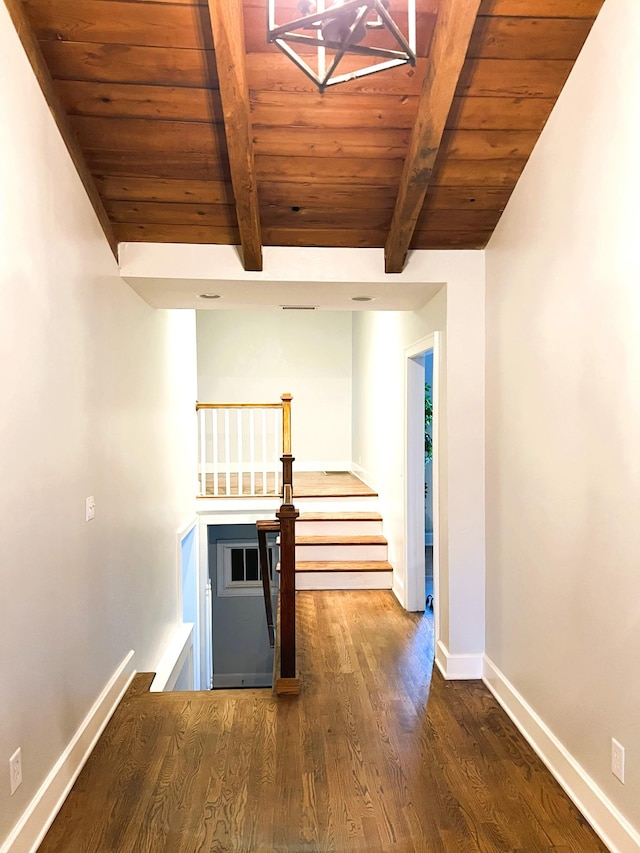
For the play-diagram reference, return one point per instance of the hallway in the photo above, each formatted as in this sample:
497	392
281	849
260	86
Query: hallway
358	762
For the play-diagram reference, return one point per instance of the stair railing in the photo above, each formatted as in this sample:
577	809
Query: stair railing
243	448
265	527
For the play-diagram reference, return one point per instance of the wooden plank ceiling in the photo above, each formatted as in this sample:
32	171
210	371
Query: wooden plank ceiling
422	158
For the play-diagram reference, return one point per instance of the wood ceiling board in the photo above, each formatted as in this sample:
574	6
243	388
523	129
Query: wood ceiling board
151	136
154	189
36	59
470	113
165	165
321	170
330	142
333	110
172	213
448	240
118	100
477	173
487	144
149	233
512	78
463	198
528	38
322	218
325	237
119	22
229	39
277	73
117	63
542	8
450	44
328	196
457	221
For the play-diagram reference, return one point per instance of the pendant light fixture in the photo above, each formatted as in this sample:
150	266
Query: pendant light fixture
338	29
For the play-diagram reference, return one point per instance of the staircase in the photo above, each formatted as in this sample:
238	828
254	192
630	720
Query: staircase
341	549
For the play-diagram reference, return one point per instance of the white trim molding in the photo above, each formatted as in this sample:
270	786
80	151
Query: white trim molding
362	474
28	833
178	651
612	827
457	667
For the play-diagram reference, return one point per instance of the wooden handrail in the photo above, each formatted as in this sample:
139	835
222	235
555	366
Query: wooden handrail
238	406
264	527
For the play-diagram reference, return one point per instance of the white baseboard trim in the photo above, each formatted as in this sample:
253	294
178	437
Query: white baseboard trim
28	833
397	587
175	655
457	667
362	474
243	679
612	827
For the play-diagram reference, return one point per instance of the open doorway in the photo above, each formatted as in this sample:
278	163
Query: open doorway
421	469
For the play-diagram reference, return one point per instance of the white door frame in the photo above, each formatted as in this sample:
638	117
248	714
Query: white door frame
414	475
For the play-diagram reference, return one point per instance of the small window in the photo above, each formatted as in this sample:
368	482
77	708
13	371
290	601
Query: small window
239	568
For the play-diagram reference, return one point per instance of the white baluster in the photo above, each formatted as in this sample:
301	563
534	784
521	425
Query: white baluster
215	438
240	476
227	451
252	448
277	433
264	451
203	451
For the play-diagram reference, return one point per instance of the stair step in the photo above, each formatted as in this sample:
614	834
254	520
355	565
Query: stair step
341	540
339	524
334	566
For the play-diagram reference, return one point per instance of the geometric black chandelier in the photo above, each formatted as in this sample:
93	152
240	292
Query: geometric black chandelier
339	29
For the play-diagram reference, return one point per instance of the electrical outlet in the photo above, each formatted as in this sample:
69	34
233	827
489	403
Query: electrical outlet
15	770
90	513
617	759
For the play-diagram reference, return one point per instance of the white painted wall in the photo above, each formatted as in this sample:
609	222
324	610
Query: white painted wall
379	432
97	394
563	417
256	356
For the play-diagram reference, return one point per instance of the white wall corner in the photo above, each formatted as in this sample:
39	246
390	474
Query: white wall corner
28	833
366	476
457	667
612	827
173	659
398	589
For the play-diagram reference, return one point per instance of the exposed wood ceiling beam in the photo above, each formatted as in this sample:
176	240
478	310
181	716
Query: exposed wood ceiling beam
35	57
228	41
449	47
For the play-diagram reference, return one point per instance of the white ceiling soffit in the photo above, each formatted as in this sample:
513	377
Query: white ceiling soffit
175	276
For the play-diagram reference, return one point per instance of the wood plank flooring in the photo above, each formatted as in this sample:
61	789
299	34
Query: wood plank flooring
375	755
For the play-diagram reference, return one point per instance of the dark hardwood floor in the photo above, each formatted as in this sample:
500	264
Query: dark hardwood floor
376	754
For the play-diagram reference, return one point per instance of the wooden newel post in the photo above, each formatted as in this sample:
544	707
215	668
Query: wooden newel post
287	517
286	458
286	424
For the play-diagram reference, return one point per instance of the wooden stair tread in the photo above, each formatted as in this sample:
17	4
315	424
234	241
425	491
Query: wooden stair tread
337	566
375	539
340	516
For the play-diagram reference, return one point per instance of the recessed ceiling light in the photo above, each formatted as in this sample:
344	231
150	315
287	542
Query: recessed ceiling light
210	296
362	298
